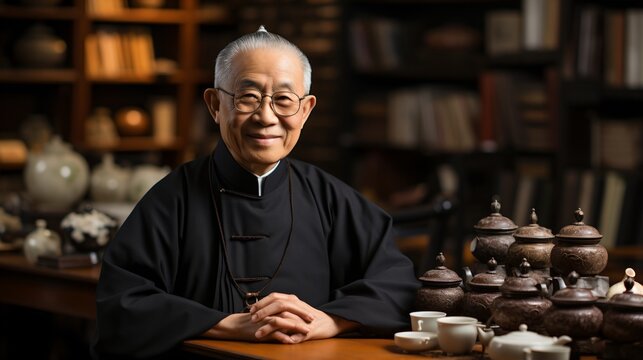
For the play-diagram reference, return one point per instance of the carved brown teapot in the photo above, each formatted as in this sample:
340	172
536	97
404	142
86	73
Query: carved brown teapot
493	236
441	290
623	320
574	312
534	243
483	289
523	301
578	249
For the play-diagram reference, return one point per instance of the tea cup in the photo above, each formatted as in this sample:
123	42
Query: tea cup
416	341
457	334
547	352
426	320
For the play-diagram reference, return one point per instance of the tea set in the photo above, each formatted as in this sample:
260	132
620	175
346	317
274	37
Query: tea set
540	297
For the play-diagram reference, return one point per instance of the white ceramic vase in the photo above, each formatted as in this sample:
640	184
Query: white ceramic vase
56	178
109	182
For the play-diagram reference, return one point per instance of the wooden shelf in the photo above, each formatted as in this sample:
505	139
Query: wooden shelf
134	144
42	13
38	75
145	16
214	14
526	58
175	78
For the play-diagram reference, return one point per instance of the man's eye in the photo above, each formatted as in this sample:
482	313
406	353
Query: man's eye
249	97
284	99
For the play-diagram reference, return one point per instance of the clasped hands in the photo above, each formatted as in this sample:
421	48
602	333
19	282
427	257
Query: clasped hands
283	318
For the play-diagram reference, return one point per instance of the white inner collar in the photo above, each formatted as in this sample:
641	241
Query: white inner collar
261	177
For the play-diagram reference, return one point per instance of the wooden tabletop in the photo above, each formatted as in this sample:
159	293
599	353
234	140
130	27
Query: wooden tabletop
63	291
329	349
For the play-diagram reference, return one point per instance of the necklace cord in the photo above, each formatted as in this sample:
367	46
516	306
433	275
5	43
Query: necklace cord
250	295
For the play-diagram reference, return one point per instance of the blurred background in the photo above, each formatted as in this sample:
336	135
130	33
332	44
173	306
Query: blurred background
431	108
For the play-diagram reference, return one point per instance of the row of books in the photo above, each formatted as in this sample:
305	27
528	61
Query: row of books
517	112
113	51
376	43
608	200
534	27
623	52
435	119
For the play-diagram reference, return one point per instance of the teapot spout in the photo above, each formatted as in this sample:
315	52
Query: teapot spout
485	334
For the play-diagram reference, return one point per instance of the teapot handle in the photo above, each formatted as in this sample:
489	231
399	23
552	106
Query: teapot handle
543	289
468	275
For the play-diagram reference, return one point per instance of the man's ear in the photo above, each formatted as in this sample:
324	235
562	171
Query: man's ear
307	106
211	98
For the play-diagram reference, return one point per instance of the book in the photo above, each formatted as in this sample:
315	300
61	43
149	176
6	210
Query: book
68	260
503	30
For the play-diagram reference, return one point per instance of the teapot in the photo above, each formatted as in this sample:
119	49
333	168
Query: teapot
493	236
619	287
483	288
578	249
511	345
440	290
534	243
623	321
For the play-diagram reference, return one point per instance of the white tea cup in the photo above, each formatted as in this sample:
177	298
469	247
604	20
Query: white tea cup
547	352
414	341
457	334
426	320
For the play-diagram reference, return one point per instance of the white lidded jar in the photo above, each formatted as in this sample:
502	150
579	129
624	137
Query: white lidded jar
41	241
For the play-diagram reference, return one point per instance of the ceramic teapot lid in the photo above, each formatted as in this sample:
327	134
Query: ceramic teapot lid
578	230
495	221
489	280
522	284
573	295
533	232
523	336
627	300
440	276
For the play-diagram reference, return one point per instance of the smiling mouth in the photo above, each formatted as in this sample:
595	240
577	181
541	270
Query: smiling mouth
263	140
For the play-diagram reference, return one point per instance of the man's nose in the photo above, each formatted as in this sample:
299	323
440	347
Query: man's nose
265	112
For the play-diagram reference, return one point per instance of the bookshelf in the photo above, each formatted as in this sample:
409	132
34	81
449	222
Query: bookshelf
118	55
556	83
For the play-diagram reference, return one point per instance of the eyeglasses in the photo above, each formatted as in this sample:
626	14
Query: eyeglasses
283	103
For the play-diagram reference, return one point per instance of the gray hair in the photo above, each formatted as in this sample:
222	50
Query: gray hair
260	39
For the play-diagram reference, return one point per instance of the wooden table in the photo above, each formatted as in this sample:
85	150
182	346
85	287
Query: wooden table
63	291
329	349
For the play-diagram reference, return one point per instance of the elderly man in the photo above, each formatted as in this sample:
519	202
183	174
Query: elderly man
247	243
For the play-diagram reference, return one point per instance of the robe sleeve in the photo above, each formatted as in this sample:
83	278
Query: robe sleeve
137	314
373	282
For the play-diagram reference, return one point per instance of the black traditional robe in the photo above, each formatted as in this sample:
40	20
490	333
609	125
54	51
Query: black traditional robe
164	277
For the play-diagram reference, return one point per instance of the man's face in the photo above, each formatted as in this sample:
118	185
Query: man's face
258	140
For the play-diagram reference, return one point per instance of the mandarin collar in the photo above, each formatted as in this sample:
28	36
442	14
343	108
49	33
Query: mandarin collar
232	176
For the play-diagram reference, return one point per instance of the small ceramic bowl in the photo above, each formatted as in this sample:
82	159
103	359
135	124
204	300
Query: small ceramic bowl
415	341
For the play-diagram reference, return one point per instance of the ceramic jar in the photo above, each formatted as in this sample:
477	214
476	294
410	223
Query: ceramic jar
578	249
441	290
534	243
56	178
109	182
523	301
143	177
623	321
493	236
41	241
39	47
574	312
483	289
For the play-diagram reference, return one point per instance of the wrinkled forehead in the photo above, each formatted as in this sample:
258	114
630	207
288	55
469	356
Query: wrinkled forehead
250	68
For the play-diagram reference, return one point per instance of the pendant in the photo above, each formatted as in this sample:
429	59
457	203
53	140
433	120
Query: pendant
251	298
